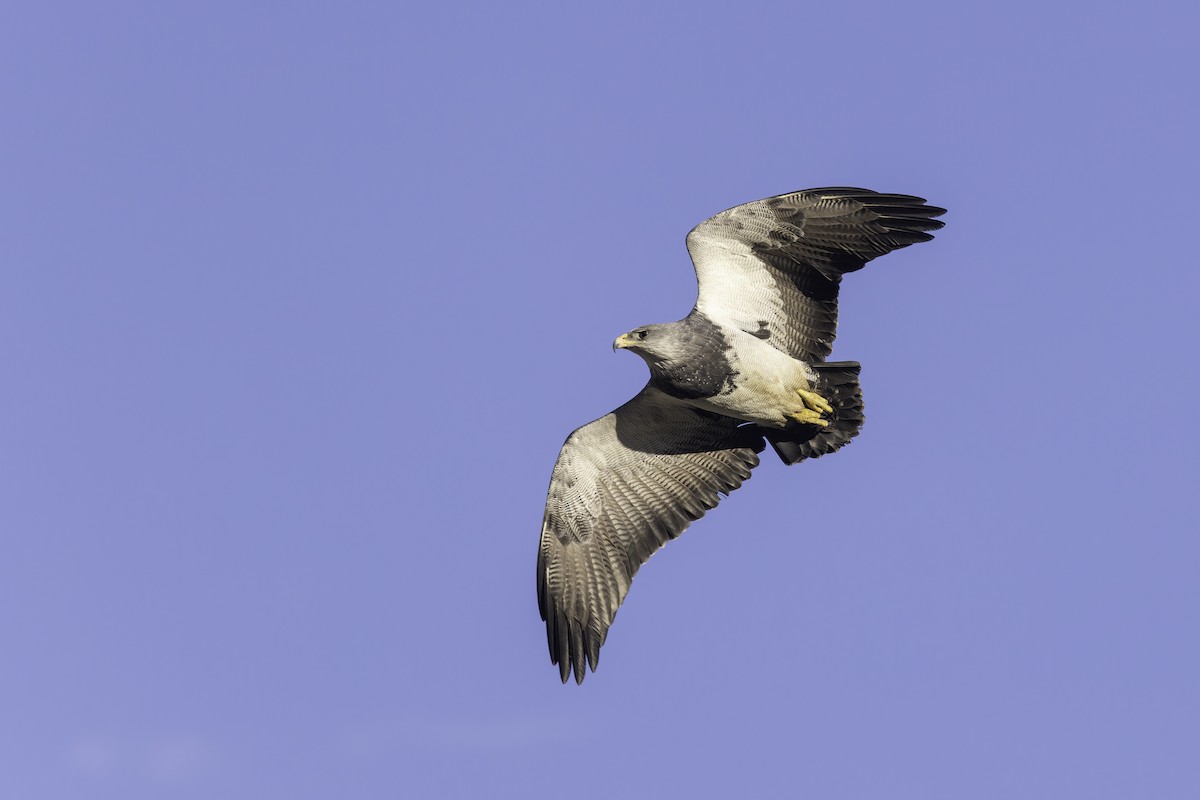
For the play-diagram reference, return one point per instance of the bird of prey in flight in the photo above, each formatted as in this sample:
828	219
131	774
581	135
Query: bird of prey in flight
746	367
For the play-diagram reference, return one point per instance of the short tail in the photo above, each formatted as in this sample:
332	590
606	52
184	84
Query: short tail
837	381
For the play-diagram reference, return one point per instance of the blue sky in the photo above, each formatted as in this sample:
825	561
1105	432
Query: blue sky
298	305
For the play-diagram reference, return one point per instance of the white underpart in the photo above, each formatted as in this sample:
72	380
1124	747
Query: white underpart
768	378
767	381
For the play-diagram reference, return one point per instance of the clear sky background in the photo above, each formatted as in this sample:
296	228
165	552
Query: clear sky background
298	303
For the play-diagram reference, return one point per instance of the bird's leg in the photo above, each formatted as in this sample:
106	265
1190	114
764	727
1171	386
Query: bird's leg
814	407
809	417
815	401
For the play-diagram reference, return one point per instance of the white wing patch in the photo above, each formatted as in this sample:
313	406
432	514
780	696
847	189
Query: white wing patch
740	293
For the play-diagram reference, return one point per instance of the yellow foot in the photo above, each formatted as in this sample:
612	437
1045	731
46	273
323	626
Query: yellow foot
810	417
815	401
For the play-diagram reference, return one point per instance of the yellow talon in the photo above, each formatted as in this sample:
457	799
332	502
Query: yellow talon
814	401
810	417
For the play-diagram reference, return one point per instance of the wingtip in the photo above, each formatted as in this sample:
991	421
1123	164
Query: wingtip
573	647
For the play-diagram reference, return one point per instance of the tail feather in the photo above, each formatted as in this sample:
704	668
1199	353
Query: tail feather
837	381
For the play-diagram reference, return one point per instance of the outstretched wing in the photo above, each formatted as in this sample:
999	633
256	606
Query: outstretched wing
772	267
623	485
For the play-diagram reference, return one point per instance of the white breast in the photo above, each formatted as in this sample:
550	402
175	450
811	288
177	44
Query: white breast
766	383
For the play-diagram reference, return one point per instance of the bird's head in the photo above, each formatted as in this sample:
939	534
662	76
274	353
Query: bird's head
654	343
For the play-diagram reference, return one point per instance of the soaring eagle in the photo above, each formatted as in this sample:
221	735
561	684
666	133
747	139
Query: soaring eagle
747	364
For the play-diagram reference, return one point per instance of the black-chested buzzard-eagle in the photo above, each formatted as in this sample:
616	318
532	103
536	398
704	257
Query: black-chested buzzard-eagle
747	364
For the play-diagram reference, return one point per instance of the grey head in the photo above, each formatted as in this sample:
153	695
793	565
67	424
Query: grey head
687	359
656	344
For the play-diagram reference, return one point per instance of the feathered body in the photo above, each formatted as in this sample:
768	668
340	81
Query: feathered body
724	370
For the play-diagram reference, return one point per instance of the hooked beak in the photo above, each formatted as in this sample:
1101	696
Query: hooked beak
622	341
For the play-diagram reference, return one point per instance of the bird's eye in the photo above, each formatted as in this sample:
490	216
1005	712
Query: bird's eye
641	334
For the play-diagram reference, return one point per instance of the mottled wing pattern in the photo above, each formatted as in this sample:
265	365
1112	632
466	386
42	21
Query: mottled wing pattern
623	485
772	267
